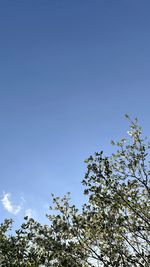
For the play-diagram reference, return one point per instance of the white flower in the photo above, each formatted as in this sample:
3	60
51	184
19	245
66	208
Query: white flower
130	133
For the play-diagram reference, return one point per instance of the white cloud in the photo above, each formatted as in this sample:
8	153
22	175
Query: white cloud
8	205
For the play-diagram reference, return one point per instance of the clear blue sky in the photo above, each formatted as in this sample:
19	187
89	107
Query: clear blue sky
69	71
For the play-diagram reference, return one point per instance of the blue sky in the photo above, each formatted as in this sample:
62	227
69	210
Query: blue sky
69	71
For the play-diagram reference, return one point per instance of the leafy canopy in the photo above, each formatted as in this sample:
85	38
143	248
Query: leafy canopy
113	227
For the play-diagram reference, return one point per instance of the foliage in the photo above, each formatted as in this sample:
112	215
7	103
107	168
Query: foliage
113	228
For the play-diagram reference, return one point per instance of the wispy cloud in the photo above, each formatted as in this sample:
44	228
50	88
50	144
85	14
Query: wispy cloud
8	205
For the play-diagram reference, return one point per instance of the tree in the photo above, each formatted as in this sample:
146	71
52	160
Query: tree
113	227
